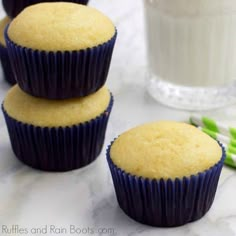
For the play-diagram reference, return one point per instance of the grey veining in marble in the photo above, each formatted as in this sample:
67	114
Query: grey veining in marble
85	198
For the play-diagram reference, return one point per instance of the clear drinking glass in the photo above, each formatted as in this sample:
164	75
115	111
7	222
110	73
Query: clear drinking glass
191	48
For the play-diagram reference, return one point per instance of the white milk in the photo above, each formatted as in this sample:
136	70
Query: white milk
192	42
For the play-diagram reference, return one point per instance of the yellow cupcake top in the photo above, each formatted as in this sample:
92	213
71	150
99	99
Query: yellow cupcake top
55	113
3	23
60	26
165	149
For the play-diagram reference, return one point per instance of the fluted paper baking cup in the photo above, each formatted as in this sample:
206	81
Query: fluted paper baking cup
58	149
165	203
14	7
61	74
6	65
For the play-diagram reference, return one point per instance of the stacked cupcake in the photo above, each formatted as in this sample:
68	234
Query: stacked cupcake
57	114
13	8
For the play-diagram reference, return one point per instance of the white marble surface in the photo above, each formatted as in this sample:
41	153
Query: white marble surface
85	198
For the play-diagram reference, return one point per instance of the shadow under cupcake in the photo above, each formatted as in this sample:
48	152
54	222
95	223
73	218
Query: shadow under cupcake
165	173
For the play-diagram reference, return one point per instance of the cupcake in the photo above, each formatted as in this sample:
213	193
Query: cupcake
60	50
5	61
57	135
14	7
165	173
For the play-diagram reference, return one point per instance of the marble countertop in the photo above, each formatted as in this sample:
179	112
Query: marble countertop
85	199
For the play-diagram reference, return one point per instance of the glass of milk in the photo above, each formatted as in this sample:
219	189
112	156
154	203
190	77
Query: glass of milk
191	46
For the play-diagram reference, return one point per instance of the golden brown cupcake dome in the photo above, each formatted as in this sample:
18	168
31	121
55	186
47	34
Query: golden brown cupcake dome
165	173
165	149
60	27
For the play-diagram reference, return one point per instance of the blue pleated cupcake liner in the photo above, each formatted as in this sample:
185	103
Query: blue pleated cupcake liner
58	148
6	65
60	75
165	203
14	7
